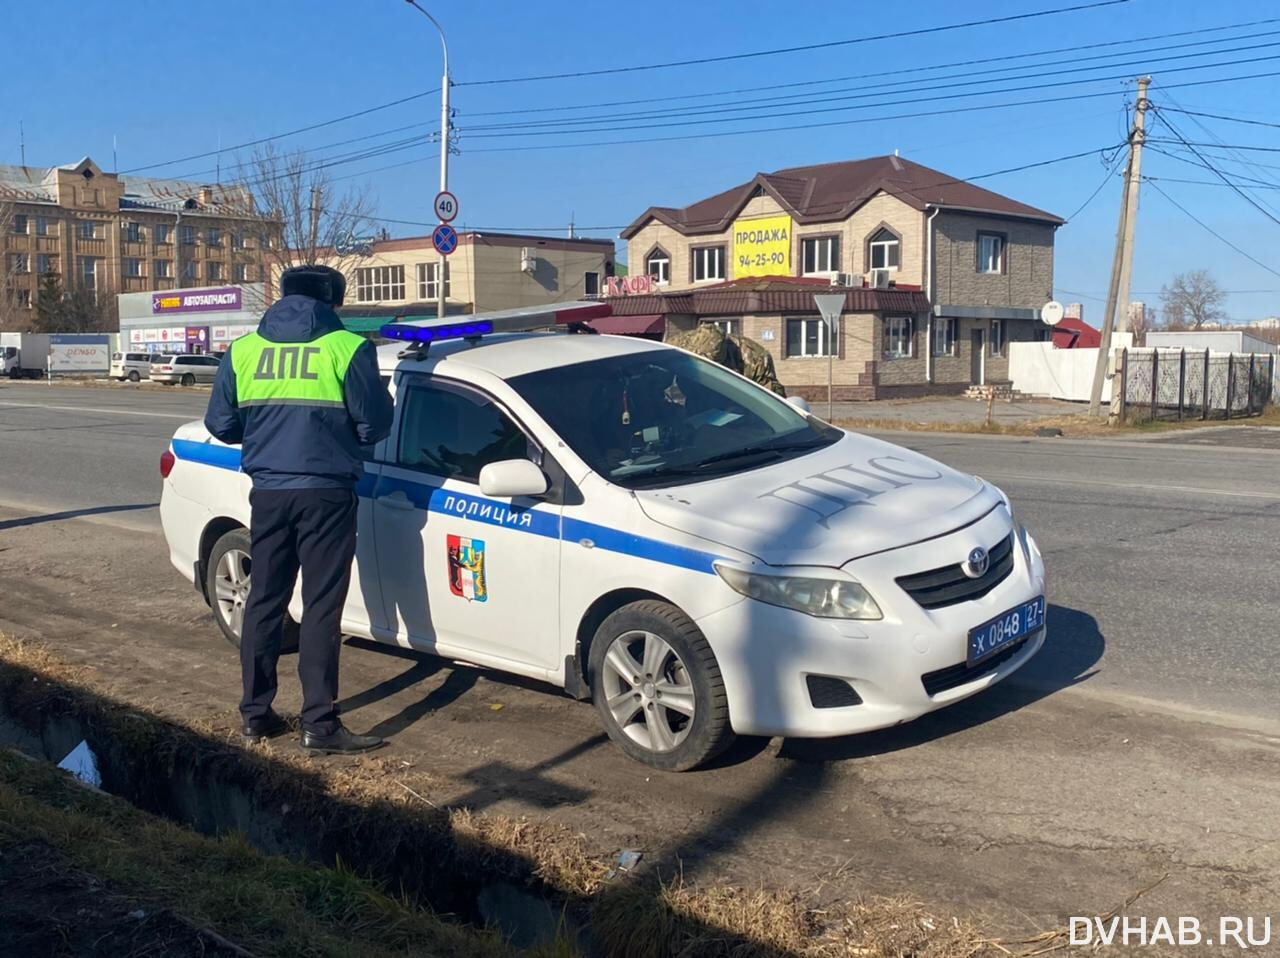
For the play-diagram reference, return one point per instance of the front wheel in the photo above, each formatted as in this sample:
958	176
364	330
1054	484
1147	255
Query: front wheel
227	586
658	688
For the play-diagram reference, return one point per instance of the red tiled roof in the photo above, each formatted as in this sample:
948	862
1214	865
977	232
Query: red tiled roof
1072	333
768	295
830	192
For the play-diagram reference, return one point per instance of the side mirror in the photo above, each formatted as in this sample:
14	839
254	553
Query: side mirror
800	403
512	478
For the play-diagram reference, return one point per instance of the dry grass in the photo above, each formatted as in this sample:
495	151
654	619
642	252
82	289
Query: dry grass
377	815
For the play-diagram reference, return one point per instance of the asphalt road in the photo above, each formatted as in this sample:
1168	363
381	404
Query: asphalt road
1144	739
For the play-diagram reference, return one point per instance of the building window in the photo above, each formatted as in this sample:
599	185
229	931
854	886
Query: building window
42	226
820	255
658	265
132	267
163	233
164	269
45	263
591	283
806	337
24	298
19	263
899	337
89	271
237	241
884	250
88	230
213	236
239	273
188	271
427	280
19	223
990	253
215	271
133	232
379	284
944	337
997	337
730	327
708	264
188	236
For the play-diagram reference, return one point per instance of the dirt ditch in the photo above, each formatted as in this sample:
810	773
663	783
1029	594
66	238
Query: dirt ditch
533	881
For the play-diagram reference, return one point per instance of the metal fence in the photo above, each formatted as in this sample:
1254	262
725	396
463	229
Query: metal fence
1193	384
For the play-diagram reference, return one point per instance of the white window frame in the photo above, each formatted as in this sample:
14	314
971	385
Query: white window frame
589	278
708	264
944	332
21	262
42	226
213	236
883	246
998	336
187	236
380	284
89	271
162	233
133	232
730	327
164	269
661	258
87	230
213	271
427	288
899	337
987	243
19	219
823	346
824	249
133	266
240	273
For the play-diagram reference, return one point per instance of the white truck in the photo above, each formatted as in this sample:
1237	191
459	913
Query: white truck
25	355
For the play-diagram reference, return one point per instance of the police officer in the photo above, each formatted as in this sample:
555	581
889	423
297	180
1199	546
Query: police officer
303	396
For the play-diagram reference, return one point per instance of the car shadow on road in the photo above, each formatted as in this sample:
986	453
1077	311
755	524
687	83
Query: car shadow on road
1069	657
74	514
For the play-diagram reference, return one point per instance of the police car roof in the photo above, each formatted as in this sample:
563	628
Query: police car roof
507	355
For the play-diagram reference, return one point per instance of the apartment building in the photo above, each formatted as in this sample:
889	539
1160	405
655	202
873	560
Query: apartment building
488	271
939	275
112	233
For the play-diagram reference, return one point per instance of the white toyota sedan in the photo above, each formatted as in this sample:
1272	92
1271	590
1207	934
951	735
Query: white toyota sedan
649	530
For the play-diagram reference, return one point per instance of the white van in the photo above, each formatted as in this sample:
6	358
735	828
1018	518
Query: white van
130	366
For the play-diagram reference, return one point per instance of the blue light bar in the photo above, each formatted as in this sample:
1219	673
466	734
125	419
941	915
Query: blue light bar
434	334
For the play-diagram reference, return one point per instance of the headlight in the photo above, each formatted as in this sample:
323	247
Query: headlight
1018	528
827	598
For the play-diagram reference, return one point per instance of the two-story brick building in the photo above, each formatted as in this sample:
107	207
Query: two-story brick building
939	275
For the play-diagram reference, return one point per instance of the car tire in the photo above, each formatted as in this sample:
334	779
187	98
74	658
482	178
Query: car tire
134	377
188	379
231	553
657	635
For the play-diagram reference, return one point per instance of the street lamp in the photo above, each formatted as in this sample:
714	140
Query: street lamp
444	140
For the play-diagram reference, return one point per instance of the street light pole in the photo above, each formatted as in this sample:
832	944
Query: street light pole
444	142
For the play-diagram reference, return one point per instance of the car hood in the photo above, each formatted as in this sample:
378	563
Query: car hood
856	497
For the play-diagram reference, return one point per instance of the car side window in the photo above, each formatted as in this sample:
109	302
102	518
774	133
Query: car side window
454	432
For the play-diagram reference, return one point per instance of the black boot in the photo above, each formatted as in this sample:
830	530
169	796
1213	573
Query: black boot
261	729
340	741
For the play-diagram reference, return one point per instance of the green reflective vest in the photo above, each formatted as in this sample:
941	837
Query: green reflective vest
309	374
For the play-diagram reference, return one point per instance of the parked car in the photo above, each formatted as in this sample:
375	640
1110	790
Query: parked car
184	369
130	366
646	528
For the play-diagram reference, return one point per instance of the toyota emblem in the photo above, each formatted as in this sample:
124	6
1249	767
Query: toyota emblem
976	566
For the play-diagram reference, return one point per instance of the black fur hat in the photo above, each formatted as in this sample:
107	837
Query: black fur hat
319	282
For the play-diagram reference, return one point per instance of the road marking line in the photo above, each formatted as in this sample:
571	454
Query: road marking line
1132	487
103	412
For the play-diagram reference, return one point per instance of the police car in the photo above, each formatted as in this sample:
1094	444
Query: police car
654	532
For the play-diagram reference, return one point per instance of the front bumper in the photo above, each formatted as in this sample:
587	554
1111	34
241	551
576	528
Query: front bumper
766	653
169	378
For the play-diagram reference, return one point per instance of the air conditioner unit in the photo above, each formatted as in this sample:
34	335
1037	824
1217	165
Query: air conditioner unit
879	279
528	259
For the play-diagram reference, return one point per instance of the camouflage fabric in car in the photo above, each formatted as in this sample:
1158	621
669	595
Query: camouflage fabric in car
738	353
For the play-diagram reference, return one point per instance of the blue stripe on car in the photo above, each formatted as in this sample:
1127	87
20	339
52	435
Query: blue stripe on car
531	520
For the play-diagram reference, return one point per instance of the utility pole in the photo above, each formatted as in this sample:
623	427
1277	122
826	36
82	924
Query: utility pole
1133	185
1121	264
444	141
314	233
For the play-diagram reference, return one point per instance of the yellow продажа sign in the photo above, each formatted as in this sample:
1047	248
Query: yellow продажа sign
762	247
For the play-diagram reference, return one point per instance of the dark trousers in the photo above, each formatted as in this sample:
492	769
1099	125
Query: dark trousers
313	530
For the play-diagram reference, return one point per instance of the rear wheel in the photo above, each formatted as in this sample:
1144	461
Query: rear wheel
188	379
227	586
658	688
133	376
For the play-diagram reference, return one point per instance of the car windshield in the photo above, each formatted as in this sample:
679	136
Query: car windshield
665	417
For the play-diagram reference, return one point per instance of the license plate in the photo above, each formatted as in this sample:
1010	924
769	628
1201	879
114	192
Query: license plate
1005	629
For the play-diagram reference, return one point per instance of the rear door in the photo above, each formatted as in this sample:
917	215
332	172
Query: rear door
468	575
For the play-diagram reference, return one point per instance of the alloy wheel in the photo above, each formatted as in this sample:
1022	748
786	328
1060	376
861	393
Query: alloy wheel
231	585
648	690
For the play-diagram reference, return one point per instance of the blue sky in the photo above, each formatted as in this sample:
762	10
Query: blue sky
168	80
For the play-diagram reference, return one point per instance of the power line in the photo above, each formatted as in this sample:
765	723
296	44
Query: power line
922	31
1106	178
1222	116
1206	166
1225	146
1218	183
901	71
1211	230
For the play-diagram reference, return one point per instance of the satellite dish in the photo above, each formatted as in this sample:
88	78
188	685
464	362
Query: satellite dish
1051	313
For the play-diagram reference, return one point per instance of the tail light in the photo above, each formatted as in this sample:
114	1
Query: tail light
167	460
166	369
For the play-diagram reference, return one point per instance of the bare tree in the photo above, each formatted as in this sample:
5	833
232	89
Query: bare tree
1192	299
305	218
1142	321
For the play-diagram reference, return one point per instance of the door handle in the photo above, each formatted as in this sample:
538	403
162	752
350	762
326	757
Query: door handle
397	500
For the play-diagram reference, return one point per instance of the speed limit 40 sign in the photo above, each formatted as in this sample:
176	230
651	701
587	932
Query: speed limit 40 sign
446	206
